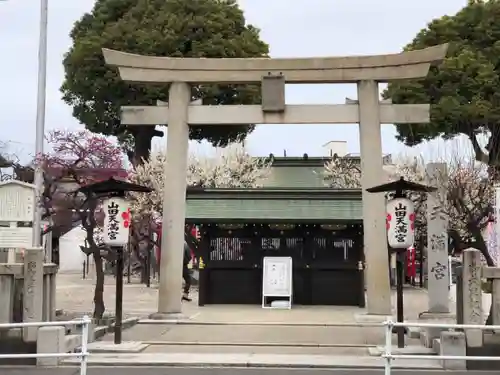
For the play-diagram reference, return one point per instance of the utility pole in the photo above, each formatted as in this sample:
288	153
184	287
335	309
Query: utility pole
40	122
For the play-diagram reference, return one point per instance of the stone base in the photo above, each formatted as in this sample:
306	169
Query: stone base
51	339
453	344
438	316
110	347
373	318
168	316
429	334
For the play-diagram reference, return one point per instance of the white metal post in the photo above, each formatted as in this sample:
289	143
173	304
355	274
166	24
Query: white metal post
84	348
388	347
40	121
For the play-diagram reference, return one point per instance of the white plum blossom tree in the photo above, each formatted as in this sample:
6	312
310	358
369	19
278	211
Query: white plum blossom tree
469	194
230	167
345	173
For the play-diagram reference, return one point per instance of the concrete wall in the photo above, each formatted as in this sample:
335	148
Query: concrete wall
71	257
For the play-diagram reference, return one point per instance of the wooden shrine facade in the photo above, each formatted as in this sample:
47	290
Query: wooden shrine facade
321	229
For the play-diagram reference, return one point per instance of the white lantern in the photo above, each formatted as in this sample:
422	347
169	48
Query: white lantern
117	221
400	223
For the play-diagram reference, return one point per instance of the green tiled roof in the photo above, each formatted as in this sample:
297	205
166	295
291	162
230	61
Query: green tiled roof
274	204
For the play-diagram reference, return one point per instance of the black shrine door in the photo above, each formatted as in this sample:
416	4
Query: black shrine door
232	273
336	264
326	263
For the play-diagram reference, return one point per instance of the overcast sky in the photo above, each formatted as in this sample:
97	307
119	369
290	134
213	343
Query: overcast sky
299	28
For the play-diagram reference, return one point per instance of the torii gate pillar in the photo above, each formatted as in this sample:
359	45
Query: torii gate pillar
174	210
374	227
365	71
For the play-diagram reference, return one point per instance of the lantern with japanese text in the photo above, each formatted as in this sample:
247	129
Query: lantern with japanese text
400	223
117	219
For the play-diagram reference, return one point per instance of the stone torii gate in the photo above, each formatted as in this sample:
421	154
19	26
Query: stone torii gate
367	111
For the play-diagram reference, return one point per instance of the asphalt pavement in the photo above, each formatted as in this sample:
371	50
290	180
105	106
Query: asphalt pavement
221	371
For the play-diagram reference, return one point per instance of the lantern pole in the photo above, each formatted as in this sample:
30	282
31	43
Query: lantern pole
119	286
400	259
119	294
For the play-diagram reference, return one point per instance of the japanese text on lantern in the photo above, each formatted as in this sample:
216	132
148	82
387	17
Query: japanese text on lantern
117	221
400	223
113	226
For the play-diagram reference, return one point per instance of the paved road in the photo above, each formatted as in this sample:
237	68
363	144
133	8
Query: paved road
224	371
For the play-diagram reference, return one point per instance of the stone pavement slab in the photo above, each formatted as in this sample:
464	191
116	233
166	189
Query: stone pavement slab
75	295
256	335
263	349
131	370
110	347
250	360
314	335
411	349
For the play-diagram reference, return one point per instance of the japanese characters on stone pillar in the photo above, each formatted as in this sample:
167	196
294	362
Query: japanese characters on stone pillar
33	291
495	241
437	240
116	221
472	295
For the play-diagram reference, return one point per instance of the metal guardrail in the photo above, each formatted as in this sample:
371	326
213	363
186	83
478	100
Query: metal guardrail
388	356
82	354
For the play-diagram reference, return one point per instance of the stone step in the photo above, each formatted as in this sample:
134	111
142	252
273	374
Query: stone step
110	347
413	332
410	349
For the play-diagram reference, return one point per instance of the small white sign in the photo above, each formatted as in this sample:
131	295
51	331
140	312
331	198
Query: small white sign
117	221
277	278
400	223
16	201
13	238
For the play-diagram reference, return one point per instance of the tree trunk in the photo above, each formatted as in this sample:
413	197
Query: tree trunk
99	307
143	137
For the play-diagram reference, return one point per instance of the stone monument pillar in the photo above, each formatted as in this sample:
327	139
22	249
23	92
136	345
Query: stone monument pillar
437	255
472	296
437	240
174	206
374	231
33	291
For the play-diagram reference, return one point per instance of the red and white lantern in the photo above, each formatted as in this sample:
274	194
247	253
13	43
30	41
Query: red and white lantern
117	221
400	221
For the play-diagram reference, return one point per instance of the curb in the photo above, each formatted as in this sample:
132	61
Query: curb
247	360
282	324
256	344
254	365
